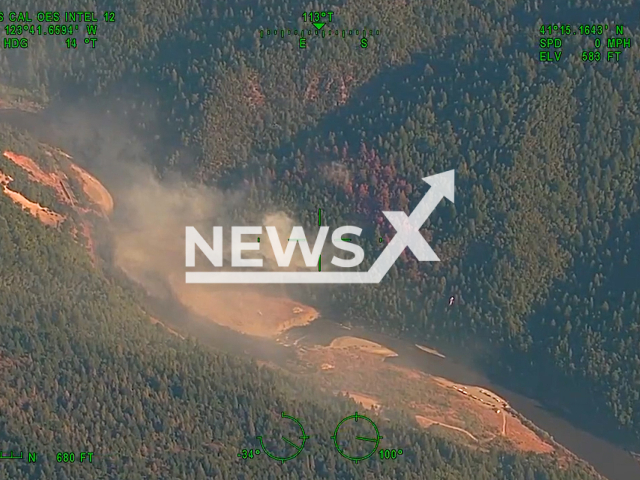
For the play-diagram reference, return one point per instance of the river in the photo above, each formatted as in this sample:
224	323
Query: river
608	459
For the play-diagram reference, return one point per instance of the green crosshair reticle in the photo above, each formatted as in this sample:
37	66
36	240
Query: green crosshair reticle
374	441
298	448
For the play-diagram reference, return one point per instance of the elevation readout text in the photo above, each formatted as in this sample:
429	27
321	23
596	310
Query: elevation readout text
554	38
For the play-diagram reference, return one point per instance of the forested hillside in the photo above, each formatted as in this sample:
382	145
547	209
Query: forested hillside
538	245
83	370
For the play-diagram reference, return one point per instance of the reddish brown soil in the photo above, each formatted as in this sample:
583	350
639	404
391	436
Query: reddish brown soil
95	190
59	182
244	309
55	180
45	215
429	399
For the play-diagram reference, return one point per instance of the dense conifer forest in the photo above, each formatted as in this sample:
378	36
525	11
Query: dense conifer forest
537	248
83	370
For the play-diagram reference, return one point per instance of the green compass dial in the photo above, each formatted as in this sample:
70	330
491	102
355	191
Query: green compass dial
296	447
373	440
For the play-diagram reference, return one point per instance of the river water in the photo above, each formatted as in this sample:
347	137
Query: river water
608	459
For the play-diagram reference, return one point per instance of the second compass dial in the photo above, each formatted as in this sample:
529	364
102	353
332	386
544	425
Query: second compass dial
356	437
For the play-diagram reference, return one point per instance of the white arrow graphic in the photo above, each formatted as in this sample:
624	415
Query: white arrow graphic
408	235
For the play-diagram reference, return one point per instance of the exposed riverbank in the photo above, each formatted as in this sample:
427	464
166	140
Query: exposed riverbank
608	459
247	317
